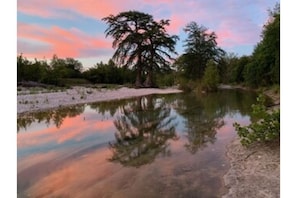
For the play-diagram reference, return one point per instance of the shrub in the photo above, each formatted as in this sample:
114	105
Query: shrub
187	85
211	77
165	80
266	129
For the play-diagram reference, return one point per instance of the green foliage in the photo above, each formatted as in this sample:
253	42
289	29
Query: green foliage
75	81
266	129
31	71
187	85
109	74
165	80
237	73
264	69
211	77
201	47
49	73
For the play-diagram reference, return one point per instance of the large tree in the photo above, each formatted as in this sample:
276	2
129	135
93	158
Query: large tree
264	69
200	47
159	47
140	42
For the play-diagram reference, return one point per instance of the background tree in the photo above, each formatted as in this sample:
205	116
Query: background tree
238	68
201	47
74	68
109	74
211	77
31	71
227	63
264	68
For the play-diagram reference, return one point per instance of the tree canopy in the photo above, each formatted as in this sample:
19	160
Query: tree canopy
264	69
140	42
200	47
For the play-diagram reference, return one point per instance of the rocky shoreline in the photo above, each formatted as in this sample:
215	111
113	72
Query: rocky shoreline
254	171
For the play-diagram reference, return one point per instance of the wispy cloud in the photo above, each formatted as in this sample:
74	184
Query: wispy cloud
56	40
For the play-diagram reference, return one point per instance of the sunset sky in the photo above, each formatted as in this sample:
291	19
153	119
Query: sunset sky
75	29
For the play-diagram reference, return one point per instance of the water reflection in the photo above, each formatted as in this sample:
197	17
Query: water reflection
176	142
203	117
143	130
55	116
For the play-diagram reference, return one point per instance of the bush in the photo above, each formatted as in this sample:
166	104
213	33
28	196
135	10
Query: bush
266	129
187	85
165	80
211	77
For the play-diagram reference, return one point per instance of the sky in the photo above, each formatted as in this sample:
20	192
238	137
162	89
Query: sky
73	28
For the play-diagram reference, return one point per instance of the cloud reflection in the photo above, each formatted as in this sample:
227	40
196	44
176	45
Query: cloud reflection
71	129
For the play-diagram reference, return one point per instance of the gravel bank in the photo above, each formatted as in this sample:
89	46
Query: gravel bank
79	95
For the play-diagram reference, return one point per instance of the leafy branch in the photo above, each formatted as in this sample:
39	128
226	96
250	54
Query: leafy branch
266	129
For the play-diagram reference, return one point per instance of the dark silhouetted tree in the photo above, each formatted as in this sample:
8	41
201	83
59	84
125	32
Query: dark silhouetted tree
140	42
200	47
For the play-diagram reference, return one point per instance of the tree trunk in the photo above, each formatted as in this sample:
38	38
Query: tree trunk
149	79
138	83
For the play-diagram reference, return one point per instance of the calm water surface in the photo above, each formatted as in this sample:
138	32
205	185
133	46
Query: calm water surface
151	146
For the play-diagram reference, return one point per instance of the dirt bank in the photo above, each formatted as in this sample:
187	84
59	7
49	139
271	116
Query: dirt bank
254	171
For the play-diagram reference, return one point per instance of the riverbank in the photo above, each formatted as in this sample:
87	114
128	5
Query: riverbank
79	95
254	171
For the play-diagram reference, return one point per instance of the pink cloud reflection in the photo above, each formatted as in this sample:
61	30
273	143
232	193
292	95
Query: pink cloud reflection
72	129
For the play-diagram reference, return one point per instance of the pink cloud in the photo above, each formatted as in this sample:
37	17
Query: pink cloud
176	24
53	8
232	32
63	42
36	8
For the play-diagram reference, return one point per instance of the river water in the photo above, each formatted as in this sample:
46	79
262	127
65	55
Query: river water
151	146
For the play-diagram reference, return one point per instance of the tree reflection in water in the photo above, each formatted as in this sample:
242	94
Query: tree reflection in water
203	117
143	131
56	116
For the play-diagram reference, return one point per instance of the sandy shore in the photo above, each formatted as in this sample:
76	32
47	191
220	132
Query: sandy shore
254	171
79	95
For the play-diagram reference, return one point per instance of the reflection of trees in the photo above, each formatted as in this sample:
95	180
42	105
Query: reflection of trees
204	114
56	116
110	107
143	131
201	130
202	119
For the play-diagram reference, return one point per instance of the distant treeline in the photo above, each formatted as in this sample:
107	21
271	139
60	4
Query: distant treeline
202	63
60	71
